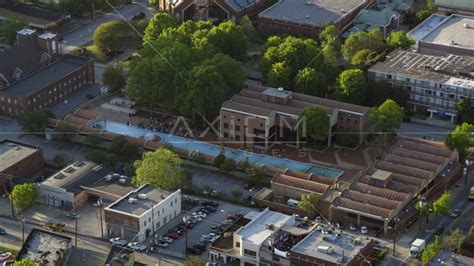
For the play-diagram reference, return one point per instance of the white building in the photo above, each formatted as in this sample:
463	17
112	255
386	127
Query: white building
137	215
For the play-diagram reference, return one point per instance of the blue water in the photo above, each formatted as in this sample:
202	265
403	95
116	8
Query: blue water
213	150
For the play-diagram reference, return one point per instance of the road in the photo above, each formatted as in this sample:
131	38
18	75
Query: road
82	36
414	130
89	251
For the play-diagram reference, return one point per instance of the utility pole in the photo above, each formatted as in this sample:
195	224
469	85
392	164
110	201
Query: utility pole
100	216
75	233
185	220
93	9
23	230
395	228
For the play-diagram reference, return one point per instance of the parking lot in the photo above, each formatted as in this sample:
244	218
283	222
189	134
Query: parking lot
200	228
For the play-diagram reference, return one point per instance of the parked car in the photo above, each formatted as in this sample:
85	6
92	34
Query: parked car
136	246
339	225
249	186
211	208
210	203
166	239
73	215
377	232
318	219
118	241
161	244
172	235
90	96
204	210
364	230
215	193
5	256
455	213
2	231
353	227
201	247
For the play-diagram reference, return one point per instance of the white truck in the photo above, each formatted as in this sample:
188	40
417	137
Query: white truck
417	247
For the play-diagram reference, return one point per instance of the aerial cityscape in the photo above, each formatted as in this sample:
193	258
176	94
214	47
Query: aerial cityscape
237	132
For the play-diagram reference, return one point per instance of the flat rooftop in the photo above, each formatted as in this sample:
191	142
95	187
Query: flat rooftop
153	197
263	226
13	152
426	26
238	5
44	247
47	75
316	244
454	70
310	12
456	30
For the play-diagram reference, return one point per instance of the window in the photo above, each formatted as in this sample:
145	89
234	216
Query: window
226	125
237	128
144	223
226	135
250	253
237	137
175	200
237	244
171	204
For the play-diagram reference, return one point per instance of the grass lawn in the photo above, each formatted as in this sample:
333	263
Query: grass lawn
4	249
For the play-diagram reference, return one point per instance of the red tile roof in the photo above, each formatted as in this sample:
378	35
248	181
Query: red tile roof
300	183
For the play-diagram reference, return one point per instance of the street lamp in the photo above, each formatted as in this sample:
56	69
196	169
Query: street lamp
99	204
421	205
23	221
185	220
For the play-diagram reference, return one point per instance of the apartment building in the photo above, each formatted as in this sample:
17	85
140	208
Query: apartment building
305	18
259	117
260	238
435	83
35	75
137	215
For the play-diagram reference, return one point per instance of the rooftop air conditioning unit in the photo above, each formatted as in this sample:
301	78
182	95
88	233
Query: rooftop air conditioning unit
142	196
325	249
132	200
466	26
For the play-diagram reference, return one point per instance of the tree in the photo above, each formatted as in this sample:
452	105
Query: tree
74	7
352	86
423	208
237	193
248	29
454	241
122	150
64	132
220	158
34	122
279	75
431	250
93	140
23	262
10	26
108	34
309	81
159	23
371	42
113	78
229	39
60	160
460	139
387	117
254	173
161	168
309	202
465	110
313	123
230	70
442	206
399	39
22	196
194	261
228	165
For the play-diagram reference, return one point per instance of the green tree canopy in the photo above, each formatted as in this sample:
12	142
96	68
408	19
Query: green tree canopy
254	173
309	202
465	110
64	132
10	26
74	7
352	86
454	242
23	262
161	168
279	75
431	251
22	196
113	78
309	81
372	42
461	138
159	23
123	149
313	123
442	205
34	121
194	261
229	39
387	117
108	34
399	39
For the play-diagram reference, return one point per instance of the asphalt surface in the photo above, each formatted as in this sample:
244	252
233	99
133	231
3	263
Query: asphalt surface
414	130
83	35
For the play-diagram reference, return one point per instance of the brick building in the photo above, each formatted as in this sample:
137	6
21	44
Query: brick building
302	17
261	116
212	10
20	160
37	76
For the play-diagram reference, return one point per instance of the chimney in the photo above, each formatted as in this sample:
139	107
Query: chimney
50	43
25	35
